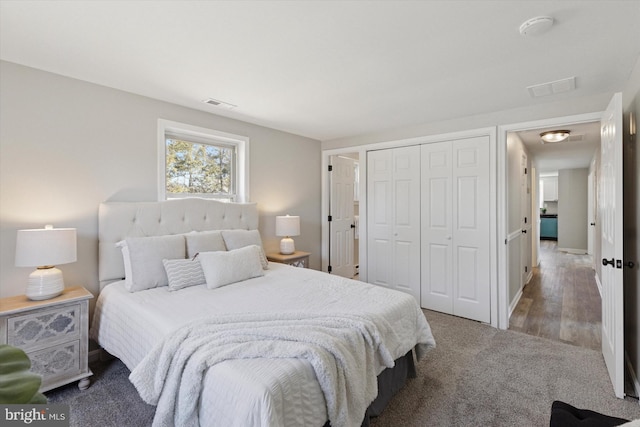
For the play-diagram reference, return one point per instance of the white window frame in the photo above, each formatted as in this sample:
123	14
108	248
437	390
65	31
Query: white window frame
241	144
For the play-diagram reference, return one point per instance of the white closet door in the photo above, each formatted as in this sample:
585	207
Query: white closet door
437	257
455	233
471	231
393	219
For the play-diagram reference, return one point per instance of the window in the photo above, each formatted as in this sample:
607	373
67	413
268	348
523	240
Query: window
199	162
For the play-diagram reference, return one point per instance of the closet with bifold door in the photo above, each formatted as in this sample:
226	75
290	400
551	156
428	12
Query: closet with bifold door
429	212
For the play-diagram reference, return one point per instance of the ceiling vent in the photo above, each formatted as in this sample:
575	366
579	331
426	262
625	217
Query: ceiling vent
551	88
218	103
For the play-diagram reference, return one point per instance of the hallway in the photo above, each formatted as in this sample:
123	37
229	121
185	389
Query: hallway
561	301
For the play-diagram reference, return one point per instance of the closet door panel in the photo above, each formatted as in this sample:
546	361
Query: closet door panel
471	231
436	237
380	217
393	182
406	230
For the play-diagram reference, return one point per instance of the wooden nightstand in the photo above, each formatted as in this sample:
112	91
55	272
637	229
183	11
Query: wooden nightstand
54	333
296	259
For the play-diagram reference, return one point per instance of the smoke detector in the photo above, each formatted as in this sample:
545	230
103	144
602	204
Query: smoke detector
535	26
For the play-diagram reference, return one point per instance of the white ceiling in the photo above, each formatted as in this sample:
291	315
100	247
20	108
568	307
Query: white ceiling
329	69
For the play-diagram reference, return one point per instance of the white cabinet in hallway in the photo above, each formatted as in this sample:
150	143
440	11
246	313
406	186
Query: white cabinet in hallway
393	226
455	237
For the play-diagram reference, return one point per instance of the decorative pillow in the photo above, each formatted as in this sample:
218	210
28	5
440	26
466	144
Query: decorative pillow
225	268
143	257
204	241
235	239
183	273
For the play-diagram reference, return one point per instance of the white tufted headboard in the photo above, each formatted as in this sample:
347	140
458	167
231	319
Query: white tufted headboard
118	220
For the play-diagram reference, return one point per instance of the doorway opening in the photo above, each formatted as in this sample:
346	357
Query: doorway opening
560	297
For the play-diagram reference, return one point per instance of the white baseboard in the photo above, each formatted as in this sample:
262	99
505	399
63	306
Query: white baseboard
515	302
598	284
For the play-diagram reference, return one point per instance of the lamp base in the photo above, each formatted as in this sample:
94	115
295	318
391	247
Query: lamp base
287	247
45	283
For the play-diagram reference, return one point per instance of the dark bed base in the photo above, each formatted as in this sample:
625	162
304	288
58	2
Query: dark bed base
389	382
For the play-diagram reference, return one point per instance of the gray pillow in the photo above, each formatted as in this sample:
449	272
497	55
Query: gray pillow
224	268
204	241
183	273
236	239
143	257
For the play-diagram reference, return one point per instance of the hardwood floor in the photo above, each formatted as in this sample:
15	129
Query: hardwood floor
561	302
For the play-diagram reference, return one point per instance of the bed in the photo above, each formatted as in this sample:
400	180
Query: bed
284	346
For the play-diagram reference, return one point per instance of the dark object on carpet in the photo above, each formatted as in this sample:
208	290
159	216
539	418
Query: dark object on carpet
565	415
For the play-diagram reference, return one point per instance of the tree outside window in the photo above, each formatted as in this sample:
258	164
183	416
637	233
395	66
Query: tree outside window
198	169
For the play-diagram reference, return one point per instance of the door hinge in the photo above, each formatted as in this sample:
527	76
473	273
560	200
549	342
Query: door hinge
329	269
525	268
525	171
329	218
330	168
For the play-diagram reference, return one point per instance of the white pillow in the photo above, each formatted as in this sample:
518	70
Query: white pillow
204	241
143	257
183	273
236	239
225	268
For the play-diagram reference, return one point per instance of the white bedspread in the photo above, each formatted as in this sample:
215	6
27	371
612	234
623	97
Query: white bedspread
245	392
342	349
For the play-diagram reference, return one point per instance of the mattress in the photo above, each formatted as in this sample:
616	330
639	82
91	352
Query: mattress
282	392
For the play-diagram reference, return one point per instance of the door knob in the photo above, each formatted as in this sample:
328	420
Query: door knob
353	226
630	264
606	261
524	231
593	223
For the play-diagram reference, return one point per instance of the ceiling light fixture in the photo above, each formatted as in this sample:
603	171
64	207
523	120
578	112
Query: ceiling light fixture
554	136
535	26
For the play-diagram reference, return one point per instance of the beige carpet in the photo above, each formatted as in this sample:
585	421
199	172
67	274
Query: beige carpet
481	376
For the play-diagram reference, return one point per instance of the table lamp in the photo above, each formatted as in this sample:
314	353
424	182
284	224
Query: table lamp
287	226
44	248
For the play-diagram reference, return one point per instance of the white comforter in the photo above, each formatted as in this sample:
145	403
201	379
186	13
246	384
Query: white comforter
244	392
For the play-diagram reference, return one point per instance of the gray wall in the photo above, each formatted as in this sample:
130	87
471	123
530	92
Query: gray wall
572	209
67	145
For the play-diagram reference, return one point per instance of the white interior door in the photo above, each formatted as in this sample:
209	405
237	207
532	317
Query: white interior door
525	221
590	214
455	197
393	219
437	229
341	226
471	229
610	205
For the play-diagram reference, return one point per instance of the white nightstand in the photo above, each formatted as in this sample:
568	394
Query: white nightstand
54	333
296	259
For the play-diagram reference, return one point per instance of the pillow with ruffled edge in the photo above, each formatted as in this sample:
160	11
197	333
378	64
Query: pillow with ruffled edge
225	268
142	257
183	273
236	239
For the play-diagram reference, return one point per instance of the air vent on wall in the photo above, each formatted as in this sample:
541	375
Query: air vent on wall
218	103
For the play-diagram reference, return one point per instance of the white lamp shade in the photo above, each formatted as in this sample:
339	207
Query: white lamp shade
45	247
287	226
